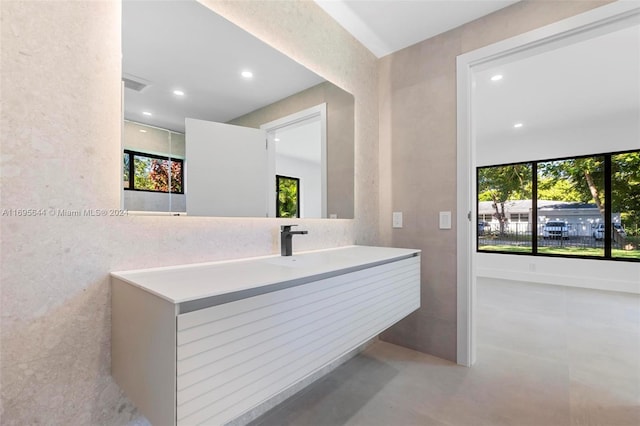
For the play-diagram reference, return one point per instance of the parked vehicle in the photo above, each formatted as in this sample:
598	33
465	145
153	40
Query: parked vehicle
598	231
483	227
555	229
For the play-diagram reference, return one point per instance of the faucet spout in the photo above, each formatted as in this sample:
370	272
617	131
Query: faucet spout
286	239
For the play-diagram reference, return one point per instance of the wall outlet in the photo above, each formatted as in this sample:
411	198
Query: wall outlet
397	219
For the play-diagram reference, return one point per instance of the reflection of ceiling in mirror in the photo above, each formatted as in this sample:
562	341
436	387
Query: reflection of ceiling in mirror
596	79
182	45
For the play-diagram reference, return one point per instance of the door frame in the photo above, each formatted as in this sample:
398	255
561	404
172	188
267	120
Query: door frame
293	120
580	27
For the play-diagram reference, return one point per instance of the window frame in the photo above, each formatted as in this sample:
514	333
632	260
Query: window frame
607	255
132	153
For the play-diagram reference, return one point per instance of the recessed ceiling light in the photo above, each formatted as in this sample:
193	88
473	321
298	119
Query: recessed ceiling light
246	74
517	125
143	131
147	113
178	92
277	139
496	77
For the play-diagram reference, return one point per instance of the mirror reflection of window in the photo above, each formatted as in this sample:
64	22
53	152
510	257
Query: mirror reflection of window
287	196
152	172
152	168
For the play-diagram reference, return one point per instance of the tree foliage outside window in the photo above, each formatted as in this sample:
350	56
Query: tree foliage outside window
126	158
504	183
581	178
625	198
152	173
625	182
288	195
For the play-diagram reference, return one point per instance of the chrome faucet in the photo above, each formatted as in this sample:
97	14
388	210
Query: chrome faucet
286	239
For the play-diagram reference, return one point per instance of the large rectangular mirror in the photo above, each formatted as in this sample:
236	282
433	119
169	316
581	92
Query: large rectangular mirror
217	123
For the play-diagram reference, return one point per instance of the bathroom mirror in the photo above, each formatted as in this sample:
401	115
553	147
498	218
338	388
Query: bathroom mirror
218	123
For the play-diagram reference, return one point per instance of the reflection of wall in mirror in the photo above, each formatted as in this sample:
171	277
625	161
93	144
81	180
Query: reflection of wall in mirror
340	138
298	153
153	140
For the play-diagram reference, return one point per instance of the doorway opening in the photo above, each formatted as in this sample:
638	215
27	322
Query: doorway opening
485	140
297	146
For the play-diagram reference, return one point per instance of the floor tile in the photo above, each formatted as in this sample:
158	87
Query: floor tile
547	355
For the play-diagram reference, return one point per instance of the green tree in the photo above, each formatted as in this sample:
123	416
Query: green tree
625	182
558	190
287	197
584	175
504	183
142	167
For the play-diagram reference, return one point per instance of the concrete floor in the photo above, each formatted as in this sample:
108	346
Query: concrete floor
547	355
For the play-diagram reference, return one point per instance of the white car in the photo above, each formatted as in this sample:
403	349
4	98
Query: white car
598	231
555	229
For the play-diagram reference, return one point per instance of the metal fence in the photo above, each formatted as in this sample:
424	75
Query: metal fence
581	235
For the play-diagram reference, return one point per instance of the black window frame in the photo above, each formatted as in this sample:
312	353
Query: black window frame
132	153
534	208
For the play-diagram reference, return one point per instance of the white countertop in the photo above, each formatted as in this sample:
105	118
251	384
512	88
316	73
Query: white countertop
184	283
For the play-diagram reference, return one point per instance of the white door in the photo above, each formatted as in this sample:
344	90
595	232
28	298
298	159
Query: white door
226	170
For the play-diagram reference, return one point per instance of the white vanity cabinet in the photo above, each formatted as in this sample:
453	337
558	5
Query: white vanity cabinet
204	344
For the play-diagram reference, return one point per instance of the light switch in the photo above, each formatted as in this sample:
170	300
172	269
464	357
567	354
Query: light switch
397	219
445	220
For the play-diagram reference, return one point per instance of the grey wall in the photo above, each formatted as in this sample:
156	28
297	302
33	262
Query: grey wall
418	157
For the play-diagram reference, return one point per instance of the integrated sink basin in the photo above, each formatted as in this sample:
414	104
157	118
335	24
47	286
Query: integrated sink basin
325	259
294	261
237	279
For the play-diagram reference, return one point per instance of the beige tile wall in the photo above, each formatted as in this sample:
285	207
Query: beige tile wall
60	134
418	156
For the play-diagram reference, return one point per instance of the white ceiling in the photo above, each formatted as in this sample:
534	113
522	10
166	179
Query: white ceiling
386	26
592	81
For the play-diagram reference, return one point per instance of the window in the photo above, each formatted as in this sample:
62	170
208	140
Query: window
485	217
566	187
519	217
287	196
150	172
502	190
586	206
625	205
